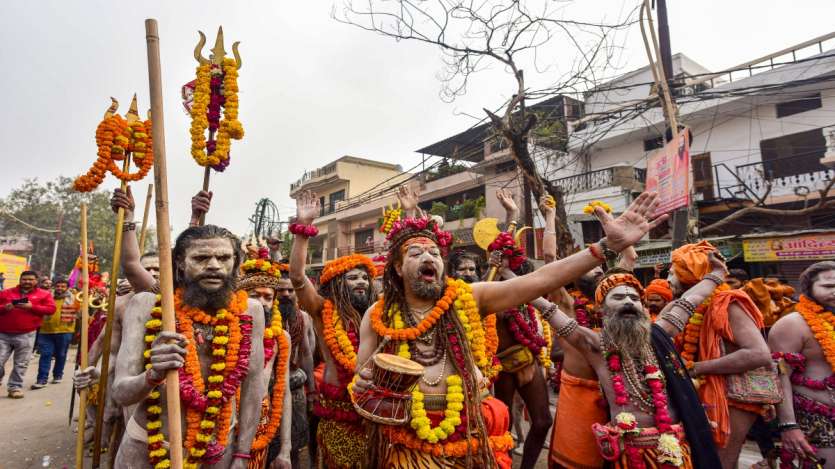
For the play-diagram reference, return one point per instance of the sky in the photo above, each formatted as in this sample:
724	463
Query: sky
312	89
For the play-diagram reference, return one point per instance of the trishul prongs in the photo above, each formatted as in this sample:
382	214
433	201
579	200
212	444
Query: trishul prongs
133	113
114	106
217	52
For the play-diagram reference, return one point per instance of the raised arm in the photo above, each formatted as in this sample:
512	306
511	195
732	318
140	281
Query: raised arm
200	205
675	315
307	208
628	258
139	278
511	211
622	232
549	236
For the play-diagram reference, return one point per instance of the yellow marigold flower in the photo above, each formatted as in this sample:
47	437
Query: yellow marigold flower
212	410
215	379
154	409
214	394
218	366
154	394
164	464
157	453
156	438
207	424
154	425
219	340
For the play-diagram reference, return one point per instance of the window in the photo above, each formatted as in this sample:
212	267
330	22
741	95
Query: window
653	143
506	167
364	240
322	206
793	154
797	106
333	199
702	175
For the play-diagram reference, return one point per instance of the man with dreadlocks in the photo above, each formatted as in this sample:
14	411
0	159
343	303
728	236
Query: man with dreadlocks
452	424
260	279
345	293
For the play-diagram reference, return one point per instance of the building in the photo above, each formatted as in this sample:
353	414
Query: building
761	132
335	183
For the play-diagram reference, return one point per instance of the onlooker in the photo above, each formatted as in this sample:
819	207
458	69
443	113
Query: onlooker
46	283
22	309
55	335
737	278
2	280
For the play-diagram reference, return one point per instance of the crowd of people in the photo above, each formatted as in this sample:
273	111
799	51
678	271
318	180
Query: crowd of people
427	355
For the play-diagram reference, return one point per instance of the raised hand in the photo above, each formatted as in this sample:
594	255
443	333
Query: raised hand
408	196
547	205
717	264
307	208
505	197
200	204
124	200
633	224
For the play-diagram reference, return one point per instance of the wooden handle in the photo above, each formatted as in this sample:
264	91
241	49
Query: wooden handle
144	232
166	279
82	348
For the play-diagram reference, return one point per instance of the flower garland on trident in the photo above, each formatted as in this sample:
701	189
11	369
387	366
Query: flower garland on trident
216	86
118	138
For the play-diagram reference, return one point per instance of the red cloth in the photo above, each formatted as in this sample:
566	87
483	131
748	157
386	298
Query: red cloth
22	321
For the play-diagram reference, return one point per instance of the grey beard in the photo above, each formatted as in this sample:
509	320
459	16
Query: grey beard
425	290
360	302
194	295
629	334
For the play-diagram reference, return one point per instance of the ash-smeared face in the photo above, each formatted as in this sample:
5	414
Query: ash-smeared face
358	284
624	320
467	271
422	268
208	269
823	289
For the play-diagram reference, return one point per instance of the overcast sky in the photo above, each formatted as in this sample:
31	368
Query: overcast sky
312	89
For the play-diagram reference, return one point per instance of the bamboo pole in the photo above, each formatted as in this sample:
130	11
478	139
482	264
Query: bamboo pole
82	348
144	231
207	173
108	327
166	279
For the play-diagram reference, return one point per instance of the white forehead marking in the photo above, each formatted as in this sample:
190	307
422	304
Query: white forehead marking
623	290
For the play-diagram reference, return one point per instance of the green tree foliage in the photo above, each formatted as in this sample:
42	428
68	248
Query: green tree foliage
41	203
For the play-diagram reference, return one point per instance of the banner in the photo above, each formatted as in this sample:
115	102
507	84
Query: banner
11	267
668	174
810	247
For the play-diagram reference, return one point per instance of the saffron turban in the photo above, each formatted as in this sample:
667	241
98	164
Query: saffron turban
690	263
661	288
611	281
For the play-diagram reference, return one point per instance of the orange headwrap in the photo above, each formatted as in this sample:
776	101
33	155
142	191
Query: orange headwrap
611	281
343	264
690	262
661	288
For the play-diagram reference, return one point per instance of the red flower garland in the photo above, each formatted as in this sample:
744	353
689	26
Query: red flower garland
308	231
505	243
524	329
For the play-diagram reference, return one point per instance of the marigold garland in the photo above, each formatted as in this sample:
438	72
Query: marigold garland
117	138
452	415
822	323
228	128
412	333
545	352
272	268
339	343
389	217
277	402
491	336
343	264
454	449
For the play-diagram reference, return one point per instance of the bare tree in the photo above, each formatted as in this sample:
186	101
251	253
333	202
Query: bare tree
568	54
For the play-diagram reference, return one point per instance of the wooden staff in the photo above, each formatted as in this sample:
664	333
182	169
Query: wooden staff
207	173
144	231
108	327
166	278
82	348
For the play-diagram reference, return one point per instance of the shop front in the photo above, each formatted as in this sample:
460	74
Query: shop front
787	255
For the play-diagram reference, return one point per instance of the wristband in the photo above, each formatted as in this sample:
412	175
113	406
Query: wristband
714	278
129	226
308	231
242	456
787	426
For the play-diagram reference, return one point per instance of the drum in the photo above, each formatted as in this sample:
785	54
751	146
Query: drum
389	401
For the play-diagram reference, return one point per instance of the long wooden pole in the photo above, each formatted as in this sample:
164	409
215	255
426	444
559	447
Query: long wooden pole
82	348
166	278
108	327
207	173
144	232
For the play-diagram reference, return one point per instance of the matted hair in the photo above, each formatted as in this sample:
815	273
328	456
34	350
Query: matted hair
810	276
204	232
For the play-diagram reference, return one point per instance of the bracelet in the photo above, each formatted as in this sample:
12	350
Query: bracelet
308	231
129	226
787	426
551	232
548	312
686	305
673	319
595	251
714	278
152	381
567	329
300	287
242	456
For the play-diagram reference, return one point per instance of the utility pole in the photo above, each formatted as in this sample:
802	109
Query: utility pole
680	219
55	247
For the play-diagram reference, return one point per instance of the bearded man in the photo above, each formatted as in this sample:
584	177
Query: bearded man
260	278
465	266
425	316
344	294
805	340
725	339
217	344
659	294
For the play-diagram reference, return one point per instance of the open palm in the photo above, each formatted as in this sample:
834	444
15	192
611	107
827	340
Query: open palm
633	224
307	208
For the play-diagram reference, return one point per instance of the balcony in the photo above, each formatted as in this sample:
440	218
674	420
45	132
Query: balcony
785	178
618	176
368	249
317	174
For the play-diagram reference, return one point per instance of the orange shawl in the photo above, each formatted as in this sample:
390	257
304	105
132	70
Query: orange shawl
716	328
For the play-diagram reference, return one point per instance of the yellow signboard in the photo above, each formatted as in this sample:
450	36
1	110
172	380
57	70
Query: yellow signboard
809	247
12	267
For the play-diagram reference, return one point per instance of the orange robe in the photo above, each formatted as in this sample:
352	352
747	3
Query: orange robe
572	441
